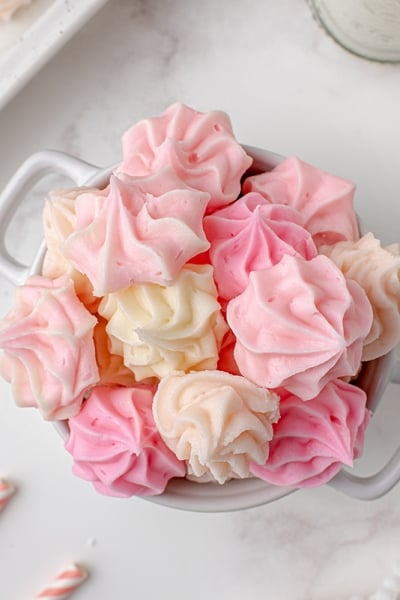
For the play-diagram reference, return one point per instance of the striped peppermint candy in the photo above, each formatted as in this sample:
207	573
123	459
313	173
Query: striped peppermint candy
6	491
65	583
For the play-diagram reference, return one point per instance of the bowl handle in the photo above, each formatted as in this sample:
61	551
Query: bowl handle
30	172
379	484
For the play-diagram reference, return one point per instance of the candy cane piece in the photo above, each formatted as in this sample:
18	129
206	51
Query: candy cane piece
6	491
65	583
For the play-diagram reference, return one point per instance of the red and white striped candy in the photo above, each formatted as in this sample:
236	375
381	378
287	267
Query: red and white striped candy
6	491
65	583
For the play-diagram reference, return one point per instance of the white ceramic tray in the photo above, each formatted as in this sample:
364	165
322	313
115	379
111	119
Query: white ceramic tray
36	33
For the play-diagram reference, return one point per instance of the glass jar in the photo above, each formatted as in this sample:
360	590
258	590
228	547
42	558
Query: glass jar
369	28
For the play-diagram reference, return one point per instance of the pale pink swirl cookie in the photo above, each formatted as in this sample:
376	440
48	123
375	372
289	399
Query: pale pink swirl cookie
49	355
312	440
59	222
115	443
377	270
215	421
324	200
144	231
252	234
200	147
299	325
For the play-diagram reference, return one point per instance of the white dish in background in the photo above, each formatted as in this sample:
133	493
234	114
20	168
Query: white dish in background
34	35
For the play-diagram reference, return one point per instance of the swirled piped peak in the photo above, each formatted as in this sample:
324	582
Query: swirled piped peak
115	443
216	422
325	201
49	355
252	234
377	270
161	329
143	231
312	440
200	147
59	222
299	325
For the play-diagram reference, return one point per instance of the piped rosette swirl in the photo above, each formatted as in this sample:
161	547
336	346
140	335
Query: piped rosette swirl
199	147
377	270
298	325
162	329
59	222
48	348
196	319
324	200
250	235
144	230
116	445
312	440
217	422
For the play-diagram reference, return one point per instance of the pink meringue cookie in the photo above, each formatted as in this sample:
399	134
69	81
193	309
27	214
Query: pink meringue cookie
299	325
252	234
49	355
313	440
324	200
377	270
143	232
115	443
200	147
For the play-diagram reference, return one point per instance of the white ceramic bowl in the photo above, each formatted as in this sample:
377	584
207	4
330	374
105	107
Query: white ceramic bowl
181	493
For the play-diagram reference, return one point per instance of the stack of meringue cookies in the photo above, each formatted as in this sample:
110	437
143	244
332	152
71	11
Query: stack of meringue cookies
195	320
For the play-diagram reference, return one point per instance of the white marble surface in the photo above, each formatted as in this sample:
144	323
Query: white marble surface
287	87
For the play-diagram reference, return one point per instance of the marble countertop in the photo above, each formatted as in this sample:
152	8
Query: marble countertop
290	88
